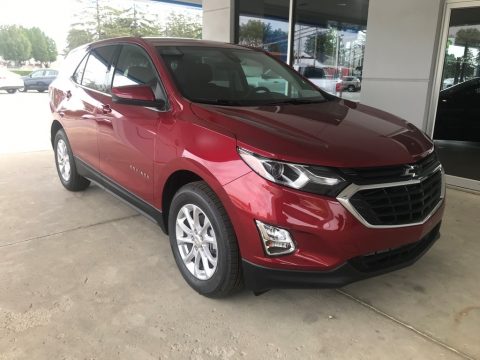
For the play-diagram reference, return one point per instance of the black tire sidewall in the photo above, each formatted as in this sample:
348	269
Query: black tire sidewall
189	195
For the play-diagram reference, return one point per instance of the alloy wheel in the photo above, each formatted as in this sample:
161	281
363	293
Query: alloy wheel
63	160
196	241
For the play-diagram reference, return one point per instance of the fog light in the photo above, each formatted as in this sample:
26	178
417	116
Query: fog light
276	241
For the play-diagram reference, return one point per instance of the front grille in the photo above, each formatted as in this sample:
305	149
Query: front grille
394	257
375	175
399	205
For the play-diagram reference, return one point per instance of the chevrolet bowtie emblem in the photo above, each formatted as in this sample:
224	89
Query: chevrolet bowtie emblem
411	171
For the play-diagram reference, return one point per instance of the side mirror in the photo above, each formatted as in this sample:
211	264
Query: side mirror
139	95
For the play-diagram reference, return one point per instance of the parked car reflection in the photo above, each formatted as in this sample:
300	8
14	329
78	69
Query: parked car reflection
458	114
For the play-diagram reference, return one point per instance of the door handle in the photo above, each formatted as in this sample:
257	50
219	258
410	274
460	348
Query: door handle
106	109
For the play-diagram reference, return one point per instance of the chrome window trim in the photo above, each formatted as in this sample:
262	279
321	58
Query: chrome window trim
345	196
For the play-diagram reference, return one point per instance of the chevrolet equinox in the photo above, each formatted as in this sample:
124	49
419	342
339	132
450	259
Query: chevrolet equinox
258	177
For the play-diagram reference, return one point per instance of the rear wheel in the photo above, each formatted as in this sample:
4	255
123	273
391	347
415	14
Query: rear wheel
11	91
203	241
66	169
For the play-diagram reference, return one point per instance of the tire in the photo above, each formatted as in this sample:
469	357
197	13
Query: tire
351	88
11	91
41	91
223	278
24	89
65	164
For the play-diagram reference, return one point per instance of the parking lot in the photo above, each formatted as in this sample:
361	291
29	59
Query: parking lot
83	276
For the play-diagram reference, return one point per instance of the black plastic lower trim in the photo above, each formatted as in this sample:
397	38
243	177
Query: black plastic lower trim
143	207
260	279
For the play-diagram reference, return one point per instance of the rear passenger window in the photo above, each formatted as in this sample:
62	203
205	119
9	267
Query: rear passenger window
97	72
134	67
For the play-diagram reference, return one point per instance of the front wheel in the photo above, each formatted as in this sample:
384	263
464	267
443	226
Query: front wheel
203	241
67	171
11	91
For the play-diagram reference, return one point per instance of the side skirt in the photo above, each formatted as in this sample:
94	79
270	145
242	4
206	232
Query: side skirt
121	193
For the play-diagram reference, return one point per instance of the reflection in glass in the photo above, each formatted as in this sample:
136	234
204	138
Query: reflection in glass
329	44
457	125
264	24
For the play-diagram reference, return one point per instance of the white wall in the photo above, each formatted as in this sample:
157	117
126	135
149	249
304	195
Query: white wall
399	56
218	20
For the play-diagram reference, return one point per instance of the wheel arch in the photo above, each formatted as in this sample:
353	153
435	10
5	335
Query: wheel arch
56	125
185	172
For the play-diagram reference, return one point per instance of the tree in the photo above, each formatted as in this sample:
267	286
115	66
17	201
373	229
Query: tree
44	48
467	38
322	45
257	33
254	32
78	37
52	52
179	25
100	21
14	44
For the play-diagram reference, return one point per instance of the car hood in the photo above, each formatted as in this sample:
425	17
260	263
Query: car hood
334	133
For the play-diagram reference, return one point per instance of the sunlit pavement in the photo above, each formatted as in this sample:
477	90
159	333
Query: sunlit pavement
83	276
24	122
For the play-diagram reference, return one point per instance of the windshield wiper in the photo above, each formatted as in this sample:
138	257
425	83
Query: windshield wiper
225	102
298	101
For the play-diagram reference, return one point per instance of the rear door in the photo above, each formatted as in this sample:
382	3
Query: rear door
83	101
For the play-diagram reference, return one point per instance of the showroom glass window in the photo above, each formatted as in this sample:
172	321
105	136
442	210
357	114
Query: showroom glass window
330	35
264	24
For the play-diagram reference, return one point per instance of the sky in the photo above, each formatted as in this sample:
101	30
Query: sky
54	17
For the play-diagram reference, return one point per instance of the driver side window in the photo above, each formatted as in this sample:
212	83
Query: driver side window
134	67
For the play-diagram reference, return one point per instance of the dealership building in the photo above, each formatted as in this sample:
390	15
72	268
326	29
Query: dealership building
419	60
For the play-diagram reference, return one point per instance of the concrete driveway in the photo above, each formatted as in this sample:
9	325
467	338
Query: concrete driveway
83	276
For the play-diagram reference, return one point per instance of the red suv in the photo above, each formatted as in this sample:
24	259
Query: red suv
258	177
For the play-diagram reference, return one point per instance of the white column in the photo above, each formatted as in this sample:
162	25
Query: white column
399	56
218	20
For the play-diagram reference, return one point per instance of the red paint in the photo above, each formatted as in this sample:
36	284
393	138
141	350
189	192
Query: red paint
137	92
203	139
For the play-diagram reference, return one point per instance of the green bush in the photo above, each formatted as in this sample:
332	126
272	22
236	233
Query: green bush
21	72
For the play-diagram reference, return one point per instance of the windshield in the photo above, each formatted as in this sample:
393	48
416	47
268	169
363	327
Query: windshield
229	76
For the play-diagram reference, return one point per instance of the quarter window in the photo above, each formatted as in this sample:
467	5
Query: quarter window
78	75
97	72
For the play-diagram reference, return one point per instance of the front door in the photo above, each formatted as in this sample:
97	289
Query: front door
457	123
127	132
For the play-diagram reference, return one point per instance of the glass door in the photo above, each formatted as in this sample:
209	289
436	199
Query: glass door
456	129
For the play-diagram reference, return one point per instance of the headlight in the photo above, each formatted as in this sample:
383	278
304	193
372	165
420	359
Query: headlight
314	179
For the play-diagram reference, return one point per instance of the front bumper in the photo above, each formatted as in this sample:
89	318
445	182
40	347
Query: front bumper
259	278
326	234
